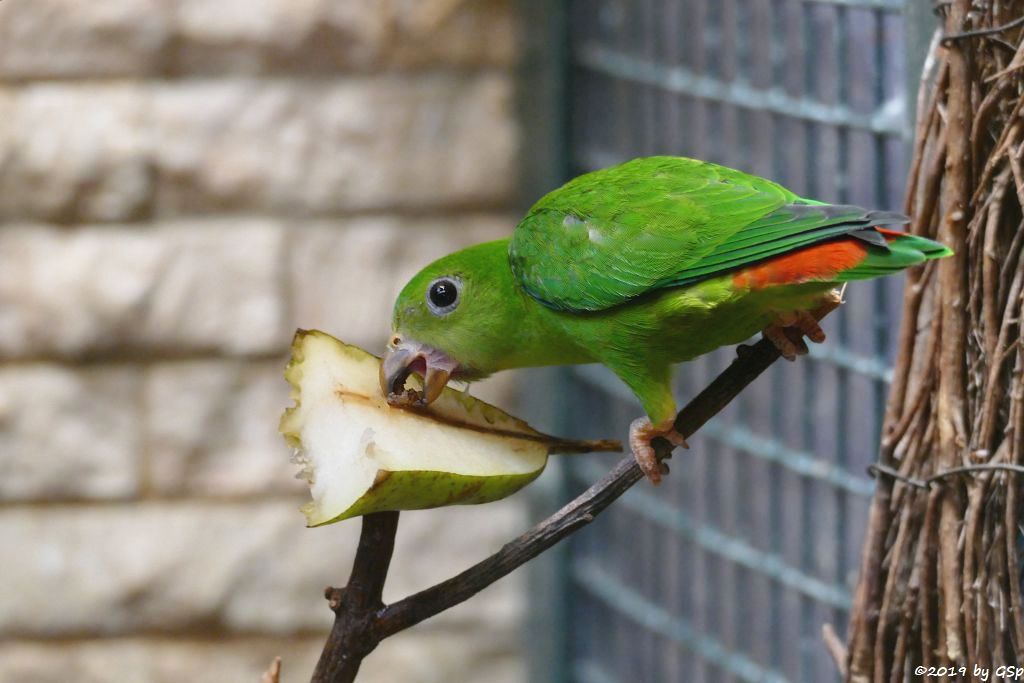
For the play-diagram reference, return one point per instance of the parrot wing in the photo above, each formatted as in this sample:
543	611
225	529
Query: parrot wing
609	236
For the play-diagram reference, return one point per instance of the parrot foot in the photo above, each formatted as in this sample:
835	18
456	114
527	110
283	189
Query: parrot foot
788	330
641	433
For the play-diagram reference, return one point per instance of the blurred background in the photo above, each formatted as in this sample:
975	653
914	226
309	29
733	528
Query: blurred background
184	182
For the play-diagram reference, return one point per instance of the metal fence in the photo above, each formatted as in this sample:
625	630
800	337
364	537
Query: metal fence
728	571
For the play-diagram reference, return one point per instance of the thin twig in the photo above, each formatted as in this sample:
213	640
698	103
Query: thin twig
1019	21
876	469
356	606
272	674
835	647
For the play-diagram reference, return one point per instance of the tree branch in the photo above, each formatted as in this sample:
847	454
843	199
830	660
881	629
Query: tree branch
362	621
356	606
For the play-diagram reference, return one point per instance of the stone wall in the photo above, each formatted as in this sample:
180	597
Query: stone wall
182	183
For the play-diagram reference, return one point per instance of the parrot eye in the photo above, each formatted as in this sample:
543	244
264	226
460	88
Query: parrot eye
443	295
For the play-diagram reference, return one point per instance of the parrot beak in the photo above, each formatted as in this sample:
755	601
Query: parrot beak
408	357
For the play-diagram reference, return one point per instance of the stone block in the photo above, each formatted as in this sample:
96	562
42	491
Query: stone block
315	148
423	655
68	433
75	152
81	153
164	567
268	36
71	39
65	39
226	567
428	655
156	660
211	429
323	36
454	32
173	289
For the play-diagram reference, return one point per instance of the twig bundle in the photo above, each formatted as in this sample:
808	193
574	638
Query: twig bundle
941	570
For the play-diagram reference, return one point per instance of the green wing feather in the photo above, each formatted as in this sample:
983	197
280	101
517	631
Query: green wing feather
786	229
904	251
609	236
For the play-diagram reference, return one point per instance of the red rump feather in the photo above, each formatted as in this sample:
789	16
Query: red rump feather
890	235
820	262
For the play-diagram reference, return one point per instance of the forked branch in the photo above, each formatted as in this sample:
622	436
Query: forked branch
362	621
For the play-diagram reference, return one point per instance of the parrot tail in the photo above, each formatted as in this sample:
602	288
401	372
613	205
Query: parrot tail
904	250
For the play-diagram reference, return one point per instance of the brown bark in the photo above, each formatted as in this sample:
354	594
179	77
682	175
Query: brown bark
940	574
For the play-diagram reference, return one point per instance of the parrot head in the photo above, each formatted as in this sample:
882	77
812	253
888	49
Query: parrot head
451	321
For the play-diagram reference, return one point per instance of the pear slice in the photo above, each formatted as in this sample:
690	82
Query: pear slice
360	455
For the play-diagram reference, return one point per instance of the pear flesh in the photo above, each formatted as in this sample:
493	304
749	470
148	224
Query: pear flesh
361	455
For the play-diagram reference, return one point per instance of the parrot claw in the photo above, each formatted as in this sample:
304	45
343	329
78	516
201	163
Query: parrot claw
787	333
641	433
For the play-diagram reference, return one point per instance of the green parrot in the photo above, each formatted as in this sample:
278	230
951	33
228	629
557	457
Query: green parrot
639	267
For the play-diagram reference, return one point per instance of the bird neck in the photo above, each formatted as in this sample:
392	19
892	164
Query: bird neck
535	334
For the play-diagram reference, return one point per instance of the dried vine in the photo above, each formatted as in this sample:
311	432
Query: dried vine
941	569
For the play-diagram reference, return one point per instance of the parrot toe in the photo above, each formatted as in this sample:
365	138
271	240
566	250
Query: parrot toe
788	340
789	329
641	434
808	325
